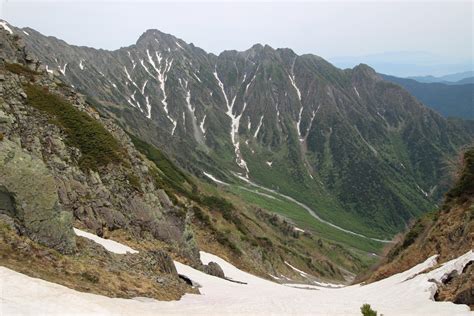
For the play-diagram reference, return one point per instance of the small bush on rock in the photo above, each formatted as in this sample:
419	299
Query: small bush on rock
98	147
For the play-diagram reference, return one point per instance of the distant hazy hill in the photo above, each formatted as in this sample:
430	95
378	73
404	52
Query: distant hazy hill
465	80
451	100
456	78
405	64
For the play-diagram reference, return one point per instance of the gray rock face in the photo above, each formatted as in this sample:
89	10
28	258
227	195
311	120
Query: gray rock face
42	185
29	194
160	261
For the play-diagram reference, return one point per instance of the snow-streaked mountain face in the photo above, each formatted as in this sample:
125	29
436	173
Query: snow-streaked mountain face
361	150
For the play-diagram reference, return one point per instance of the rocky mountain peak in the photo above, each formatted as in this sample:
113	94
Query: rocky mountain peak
365	71
163	40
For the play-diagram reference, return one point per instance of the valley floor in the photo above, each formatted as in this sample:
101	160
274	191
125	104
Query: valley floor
407	293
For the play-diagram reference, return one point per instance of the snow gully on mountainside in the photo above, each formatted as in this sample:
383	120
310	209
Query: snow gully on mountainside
161	77
234	127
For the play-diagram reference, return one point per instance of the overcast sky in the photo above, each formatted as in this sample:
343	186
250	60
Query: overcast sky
329	29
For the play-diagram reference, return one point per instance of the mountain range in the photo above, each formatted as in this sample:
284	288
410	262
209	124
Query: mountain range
450	99
456	78
122	171
68	172
360	151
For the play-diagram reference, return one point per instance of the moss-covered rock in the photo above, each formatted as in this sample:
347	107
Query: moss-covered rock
31	193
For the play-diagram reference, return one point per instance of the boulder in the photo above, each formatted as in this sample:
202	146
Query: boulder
214	269
160	261
29	195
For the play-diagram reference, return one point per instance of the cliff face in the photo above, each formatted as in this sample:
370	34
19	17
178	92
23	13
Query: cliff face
62	164
448	232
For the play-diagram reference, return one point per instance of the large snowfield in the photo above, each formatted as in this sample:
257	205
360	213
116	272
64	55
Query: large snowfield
407	293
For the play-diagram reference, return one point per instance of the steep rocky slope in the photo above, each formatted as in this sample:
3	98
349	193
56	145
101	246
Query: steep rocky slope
448	233
64	164
337	140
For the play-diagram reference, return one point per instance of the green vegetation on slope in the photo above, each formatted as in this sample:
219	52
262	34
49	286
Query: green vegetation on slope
21	70
98	147
172	180
465	185
302	219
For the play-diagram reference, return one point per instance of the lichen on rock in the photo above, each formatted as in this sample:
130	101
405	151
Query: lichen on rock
33	200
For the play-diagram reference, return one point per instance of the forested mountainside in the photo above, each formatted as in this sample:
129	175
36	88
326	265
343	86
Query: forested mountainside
64	164
456	100
360	151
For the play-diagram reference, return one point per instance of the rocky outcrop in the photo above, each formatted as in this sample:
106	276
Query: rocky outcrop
29	195
214	269
118	195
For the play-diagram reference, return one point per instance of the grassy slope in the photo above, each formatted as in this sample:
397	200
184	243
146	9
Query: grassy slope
303	220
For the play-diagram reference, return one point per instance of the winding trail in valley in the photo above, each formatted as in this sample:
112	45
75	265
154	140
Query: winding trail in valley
307	208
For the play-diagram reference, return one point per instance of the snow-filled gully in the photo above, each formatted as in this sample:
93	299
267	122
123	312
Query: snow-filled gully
407	293
235	123
197	130
162	76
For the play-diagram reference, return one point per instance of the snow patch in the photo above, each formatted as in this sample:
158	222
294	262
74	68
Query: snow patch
298	124
407	293
258	127
128	77
196	129
196	76
49	70
177	44
210	176
302	273
148	107
6	27
63	69
357	92
134	64
26	33
143	87
422	191
201	125
108	244
274	277
81	65
269	163
146	68
251	80
298	229
293	83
